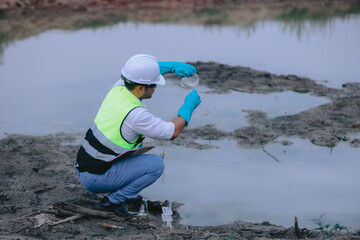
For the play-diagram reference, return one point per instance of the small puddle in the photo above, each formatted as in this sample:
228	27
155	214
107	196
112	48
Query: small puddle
226	110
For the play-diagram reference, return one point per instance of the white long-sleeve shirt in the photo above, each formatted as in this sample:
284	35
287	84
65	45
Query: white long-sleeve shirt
141	121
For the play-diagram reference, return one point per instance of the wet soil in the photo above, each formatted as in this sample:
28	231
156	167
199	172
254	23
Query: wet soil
38	177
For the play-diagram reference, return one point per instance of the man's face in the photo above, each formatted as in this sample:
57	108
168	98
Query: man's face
148	92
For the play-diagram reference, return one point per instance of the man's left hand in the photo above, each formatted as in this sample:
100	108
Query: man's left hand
181	69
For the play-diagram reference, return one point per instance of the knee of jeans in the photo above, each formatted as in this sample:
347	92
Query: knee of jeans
159	165
87	181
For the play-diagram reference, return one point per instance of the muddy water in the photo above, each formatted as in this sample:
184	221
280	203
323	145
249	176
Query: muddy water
55	81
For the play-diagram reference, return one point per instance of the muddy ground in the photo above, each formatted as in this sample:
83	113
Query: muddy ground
38	182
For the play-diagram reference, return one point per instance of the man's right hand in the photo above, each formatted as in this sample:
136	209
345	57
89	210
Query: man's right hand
192	101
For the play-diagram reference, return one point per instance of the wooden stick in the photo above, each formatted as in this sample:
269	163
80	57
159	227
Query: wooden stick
106	225
39	191
58	212
85	211
297	230
77	216
271	156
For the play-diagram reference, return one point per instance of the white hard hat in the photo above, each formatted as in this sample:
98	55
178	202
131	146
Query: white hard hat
143	69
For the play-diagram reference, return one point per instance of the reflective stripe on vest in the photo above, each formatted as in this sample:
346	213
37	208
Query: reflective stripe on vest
103	140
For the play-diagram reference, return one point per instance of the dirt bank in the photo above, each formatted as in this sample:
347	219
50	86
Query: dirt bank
38	174
30	7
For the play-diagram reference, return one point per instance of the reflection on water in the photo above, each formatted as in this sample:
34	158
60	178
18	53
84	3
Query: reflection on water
296	17
301	20
54	81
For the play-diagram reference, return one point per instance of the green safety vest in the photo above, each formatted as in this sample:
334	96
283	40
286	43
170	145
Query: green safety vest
118	103
103	141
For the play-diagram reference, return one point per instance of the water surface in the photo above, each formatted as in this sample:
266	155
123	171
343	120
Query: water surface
248	184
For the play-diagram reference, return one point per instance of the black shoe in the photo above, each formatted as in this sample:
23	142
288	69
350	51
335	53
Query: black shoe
119	208
105	202
123	211
134	203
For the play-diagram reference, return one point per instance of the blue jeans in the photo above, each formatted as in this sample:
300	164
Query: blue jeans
126	178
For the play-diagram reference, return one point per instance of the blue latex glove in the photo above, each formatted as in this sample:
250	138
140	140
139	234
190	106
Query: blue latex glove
192	100
181	69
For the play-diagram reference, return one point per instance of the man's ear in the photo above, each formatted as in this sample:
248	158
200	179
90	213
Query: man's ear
140	88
